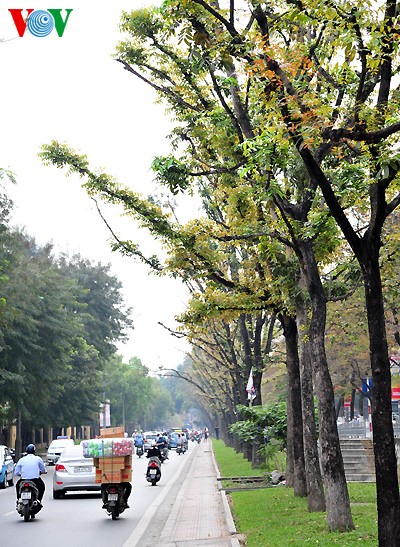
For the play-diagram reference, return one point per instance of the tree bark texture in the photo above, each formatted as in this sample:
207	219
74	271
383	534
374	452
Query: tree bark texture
294	408
315	487
387	484
248	451
337	496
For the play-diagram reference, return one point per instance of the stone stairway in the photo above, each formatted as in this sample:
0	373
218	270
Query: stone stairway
358	459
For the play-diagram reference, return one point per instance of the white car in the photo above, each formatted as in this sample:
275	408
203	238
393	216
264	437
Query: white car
55	449
74	473
150	438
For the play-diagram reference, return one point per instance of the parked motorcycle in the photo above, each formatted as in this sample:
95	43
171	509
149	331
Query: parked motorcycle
114	499
153	473
139	451
28	504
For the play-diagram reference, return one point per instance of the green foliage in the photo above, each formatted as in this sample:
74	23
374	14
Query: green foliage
59	323
172	173
274	457
262	422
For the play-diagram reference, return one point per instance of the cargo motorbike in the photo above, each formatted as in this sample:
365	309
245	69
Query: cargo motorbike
153	473
113	497
28	504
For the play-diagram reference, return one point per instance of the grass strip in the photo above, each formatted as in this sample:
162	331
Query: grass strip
274	517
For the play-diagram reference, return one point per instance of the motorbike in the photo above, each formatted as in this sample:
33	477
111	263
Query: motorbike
164	454
153	473
139	451
114	499
28	504
181	449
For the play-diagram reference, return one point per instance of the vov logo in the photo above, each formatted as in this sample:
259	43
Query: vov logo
40	23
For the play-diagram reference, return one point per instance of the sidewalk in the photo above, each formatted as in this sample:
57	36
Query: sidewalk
201	514
198	513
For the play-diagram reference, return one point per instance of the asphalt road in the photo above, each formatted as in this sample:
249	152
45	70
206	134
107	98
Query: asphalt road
78	519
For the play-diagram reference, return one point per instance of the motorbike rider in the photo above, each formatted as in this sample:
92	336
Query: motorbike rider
154	452
161	442
179	440
30	467
127	492
139	441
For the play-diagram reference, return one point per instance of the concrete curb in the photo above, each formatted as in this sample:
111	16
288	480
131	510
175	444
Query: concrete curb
227	510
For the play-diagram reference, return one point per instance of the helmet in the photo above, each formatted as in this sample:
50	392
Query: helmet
30	449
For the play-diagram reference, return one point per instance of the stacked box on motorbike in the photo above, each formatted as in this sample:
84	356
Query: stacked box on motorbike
112	432
112	458
113	469
108	447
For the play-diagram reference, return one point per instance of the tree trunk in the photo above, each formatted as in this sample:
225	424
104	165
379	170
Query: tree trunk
387	485
337	496
295	447
18	442
315	487
247	450
255	456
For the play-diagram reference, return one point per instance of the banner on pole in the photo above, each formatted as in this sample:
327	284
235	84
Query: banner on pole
251	392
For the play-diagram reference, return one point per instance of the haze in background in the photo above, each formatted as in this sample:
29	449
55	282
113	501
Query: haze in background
70	89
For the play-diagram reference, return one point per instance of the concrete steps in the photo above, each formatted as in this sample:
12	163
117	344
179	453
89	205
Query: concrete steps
358	459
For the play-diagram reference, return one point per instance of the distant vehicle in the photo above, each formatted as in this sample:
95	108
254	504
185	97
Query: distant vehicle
74	472
55	449
173	440
6	467
149	437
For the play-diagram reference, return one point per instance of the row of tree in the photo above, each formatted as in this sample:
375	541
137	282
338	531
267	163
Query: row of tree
61	318
286	123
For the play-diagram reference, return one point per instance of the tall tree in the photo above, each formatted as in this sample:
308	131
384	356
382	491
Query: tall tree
342	119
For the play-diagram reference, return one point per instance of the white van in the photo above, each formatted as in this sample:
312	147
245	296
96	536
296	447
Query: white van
55	449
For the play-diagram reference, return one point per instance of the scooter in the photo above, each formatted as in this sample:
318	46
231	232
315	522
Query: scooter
153	473
139	451
181	449
114	499
164	454
28	504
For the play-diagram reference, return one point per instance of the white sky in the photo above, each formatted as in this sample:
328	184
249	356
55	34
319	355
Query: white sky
70	89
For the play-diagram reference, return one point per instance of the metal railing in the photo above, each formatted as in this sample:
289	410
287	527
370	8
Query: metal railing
361	430
358	430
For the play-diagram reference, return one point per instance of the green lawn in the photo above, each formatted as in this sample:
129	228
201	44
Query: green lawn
273	517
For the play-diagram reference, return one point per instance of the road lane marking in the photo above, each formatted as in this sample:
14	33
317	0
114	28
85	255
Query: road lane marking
136	536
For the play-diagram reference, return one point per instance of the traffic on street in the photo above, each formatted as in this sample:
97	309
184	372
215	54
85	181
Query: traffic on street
78	519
